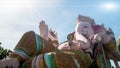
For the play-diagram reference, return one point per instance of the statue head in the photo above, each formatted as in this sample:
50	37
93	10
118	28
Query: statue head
82	18
84	25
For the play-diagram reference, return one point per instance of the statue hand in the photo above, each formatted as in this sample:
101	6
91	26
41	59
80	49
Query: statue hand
43	30
53	36
95	38
9	63
64	46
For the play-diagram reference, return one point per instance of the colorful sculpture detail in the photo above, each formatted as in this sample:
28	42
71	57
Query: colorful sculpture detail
90	45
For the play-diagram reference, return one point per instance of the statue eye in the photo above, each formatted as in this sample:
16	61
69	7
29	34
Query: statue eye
85	26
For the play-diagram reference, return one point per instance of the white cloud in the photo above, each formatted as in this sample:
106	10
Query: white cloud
19	16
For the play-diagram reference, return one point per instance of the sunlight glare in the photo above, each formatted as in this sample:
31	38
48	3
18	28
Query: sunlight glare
109	6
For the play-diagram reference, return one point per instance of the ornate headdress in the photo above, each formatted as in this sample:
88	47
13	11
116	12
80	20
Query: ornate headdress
85	19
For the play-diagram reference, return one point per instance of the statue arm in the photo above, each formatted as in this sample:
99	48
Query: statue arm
47	33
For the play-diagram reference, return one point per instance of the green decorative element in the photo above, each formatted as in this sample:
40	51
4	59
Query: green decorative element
83	56
3	53
119	47
111	45
39	44
49	60
100	60
34	62
118	43
108	63
118	40
54	60
76	62
22	52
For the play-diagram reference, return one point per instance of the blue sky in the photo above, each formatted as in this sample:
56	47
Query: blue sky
19	16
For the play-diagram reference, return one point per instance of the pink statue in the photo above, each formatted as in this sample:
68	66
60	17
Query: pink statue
87	33
83	48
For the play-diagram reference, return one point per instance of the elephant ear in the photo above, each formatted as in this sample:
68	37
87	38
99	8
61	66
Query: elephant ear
99	29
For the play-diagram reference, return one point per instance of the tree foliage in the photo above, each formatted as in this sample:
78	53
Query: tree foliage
118	43
4	53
